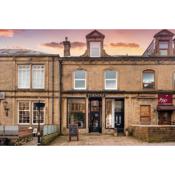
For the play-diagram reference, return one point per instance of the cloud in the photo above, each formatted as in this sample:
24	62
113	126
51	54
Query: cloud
53	45
128	45
75	44
6	33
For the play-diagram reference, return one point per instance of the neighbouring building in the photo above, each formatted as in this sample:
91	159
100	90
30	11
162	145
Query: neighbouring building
99	92
25	78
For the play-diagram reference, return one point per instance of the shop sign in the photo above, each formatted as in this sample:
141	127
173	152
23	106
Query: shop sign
95	95
165	99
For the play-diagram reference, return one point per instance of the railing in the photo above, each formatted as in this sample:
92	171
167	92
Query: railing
50	129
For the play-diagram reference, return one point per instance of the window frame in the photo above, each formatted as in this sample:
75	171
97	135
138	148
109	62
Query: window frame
163	49
116	80
79	98
148	71
32	103
31	77
90	48
29	112
85	79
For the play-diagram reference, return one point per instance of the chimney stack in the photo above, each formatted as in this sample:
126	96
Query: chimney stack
174	47
67	47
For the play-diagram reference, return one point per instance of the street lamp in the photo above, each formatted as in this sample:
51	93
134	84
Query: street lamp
38	106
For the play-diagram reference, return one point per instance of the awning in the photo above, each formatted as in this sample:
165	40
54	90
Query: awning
165	108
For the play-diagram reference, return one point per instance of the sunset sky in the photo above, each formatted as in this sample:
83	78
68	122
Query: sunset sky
117	42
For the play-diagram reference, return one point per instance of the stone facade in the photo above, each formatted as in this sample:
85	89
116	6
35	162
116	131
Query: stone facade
9	85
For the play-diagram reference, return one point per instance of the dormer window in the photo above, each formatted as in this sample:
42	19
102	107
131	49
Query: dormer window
163	48
95	49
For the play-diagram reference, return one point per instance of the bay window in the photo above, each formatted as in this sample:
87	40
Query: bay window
77	112
110	80
80	79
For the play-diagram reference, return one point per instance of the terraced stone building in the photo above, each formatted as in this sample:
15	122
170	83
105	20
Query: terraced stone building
99	92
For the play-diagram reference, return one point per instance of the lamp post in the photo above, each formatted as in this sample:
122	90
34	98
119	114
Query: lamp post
38	106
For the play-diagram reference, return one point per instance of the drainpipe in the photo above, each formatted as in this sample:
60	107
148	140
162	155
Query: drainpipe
53	90
60	94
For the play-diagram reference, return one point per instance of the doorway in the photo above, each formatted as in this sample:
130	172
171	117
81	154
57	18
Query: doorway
95	112
164	117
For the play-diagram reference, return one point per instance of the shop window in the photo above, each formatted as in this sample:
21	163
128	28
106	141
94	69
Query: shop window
77	112
145	114
163	48
113	108
95	49
110	80
148	79
38	76
24	112
35	114
80	79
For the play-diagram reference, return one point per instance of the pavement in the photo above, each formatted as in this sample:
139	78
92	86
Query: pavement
104	140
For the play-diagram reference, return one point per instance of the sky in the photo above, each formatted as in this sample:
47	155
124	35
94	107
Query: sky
116	42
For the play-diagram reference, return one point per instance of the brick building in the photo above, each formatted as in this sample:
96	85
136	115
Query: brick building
97	91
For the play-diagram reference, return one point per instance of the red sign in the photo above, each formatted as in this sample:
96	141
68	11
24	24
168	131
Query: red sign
165	99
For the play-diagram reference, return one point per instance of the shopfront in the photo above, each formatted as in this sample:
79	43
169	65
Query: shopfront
165	109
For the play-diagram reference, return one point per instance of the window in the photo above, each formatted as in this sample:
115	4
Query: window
145	114
77	112
38	76
163	48
35	114
80	79
110	80
25	73
24	112
148	79
95	49
24	76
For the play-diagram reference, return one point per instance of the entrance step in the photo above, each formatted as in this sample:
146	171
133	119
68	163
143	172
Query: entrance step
94	133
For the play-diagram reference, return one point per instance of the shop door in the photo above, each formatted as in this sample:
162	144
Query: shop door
95	114
164	118
119	115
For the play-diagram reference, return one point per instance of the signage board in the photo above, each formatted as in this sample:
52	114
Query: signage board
2	95
73	131
165	99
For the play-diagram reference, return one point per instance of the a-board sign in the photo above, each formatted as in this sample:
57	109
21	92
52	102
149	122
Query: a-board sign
73	131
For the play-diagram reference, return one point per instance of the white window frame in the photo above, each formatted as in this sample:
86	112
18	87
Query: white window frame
43	76
32	103
29	76
91	46
29	112
85	79
116	80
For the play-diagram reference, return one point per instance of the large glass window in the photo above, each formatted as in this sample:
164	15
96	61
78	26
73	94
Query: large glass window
77	112
35	114
38	76
113	106
148	79
80	79
110	80
163	48
24	76
24	112
95	49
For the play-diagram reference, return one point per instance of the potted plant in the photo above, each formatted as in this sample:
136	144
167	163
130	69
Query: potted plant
126	132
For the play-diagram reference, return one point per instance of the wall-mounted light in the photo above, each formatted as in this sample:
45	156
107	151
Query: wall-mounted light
6	108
